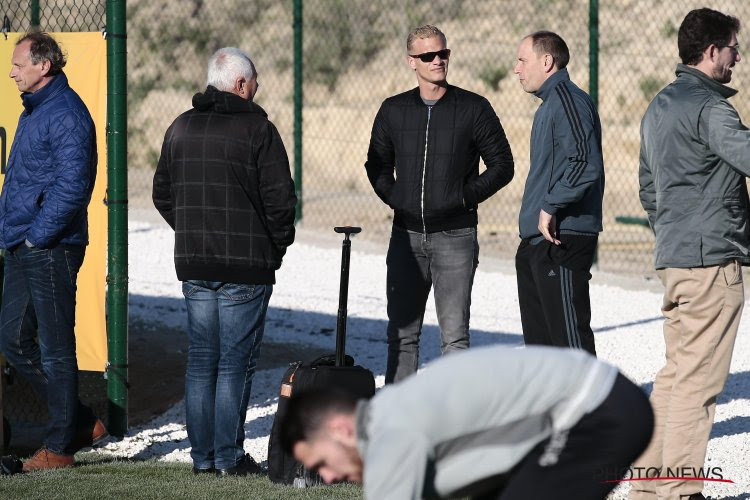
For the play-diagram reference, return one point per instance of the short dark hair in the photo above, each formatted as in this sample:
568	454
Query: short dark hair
44	48
547	42
307	412
702	28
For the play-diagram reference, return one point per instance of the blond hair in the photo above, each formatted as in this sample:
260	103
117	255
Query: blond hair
426	31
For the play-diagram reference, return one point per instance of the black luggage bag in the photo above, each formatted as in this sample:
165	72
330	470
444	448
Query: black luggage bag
336	370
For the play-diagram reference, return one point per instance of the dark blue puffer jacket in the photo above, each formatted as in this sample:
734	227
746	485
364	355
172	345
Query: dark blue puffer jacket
51	170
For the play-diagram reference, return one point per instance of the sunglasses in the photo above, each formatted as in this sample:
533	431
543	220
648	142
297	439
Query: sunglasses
430	56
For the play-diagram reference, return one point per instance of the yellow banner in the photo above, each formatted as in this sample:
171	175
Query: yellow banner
86	70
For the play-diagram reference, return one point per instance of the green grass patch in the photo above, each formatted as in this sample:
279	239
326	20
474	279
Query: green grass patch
95	477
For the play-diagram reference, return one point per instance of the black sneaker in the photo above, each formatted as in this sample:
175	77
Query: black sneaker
245	466
10	465
197	471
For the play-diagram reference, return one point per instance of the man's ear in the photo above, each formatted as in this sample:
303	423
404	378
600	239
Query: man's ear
341	427
411	62
549	62
710	52
713	51
46	65
239	85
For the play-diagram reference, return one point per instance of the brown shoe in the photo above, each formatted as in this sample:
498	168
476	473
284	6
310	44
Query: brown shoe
89	436
44	459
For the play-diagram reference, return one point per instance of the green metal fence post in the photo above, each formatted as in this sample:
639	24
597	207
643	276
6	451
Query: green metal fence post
298	106
117	194
34	13
594	51
594	66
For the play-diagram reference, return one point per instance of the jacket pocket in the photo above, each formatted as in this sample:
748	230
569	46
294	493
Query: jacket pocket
395	197
445	199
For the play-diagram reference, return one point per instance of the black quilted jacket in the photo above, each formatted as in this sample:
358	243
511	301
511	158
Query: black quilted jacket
223	184
434	153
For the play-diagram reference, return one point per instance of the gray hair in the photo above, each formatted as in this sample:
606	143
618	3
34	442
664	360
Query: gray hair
226	65
44	48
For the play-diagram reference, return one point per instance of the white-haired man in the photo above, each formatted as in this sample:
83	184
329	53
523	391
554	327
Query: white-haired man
223	184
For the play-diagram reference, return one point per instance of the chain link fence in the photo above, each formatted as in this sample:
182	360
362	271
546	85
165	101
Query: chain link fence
354	57
54	15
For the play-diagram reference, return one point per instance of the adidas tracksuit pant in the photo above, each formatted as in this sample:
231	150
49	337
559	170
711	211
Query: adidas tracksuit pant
553	290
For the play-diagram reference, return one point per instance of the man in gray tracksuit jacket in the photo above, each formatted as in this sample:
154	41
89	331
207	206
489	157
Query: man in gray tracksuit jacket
695	157
561	211
496	422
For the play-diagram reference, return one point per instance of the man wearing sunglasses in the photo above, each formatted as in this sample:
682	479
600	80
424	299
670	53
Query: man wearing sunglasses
423	162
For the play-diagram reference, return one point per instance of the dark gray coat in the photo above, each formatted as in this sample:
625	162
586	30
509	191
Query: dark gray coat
695	155
566	173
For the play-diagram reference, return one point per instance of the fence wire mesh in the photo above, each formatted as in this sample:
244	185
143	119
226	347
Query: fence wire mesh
55	15
354	57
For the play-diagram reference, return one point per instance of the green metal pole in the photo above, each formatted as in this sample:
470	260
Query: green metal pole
34	13
594	66
298	107
594	51
117	195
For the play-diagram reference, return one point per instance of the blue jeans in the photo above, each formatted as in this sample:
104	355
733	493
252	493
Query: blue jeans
416	262
225	330
39	300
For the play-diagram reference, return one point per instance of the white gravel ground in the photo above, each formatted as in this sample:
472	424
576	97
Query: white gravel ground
625	318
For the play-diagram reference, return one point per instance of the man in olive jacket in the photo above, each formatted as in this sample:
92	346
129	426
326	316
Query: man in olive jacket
223	184
695	156
423	162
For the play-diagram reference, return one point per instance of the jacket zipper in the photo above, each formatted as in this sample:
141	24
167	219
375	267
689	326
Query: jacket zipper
424	168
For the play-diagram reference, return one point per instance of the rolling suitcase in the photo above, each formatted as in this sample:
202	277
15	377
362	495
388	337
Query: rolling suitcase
336	370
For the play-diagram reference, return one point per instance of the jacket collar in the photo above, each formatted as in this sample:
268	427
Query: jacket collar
556	77
705	80
362	419
224	102
33	100
418	98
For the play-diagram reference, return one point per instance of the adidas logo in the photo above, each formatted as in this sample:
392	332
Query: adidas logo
551	273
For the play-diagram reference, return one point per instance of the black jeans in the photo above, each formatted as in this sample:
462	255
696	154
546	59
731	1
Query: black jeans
595	453
553	291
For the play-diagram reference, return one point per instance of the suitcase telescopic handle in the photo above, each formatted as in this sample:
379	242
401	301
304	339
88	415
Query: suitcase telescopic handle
347	230
346	246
